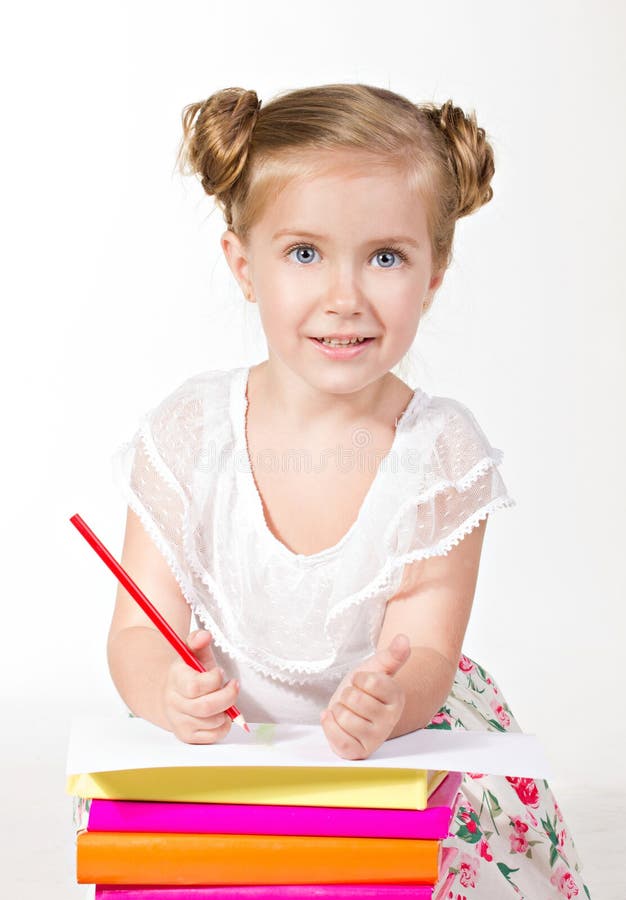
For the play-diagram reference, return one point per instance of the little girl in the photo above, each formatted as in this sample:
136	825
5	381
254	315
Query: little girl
321	519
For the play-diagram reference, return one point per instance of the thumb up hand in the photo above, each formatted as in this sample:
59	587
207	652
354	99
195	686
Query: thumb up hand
366	706
389	659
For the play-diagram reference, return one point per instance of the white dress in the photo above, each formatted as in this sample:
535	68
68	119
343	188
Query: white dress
289	626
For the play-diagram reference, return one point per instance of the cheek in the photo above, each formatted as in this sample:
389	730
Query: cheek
397	290
280	287
280	316
401	311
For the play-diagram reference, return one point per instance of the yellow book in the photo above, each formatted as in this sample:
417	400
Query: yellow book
291	786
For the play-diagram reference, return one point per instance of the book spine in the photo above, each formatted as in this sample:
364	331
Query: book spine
215	818
222	859
268	892
271	785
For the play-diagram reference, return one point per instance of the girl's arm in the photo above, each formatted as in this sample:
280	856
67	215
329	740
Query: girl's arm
432	608
394	693
151	678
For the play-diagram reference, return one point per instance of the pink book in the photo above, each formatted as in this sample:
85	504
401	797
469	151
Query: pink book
270	892
431	823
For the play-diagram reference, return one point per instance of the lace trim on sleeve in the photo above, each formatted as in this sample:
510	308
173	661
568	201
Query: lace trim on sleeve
378	588
198	608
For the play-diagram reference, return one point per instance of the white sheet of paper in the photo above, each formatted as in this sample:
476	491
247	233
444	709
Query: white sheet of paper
111	743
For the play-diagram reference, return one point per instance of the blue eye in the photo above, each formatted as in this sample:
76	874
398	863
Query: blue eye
305	257
389	252
306	249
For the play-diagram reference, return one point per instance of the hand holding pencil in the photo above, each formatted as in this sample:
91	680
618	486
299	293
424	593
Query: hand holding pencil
195	703
184	686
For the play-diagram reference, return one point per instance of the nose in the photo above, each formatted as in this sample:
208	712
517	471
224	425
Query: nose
344	293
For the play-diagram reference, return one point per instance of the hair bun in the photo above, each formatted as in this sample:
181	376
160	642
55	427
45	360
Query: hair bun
470	156
216	138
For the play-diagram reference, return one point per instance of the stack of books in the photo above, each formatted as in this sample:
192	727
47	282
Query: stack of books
278	818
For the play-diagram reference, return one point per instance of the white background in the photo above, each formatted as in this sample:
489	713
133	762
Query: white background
115	290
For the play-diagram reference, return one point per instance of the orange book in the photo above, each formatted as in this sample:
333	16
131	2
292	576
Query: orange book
112	857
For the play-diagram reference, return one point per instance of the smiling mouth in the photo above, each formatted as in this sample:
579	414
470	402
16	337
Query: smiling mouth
333	343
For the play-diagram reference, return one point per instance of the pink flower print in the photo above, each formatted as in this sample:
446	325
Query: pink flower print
558	811
519	844
562	837
467	820
447	856
445	891
440	717
466	664
501	713
526	790
475	774
519	826
495	689
532	818
468	870
563	880
484	850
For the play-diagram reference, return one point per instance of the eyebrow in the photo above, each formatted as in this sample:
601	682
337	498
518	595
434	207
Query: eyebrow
294	232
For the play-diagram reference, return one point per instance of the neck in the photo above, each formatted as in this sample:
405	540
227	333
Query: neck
297	403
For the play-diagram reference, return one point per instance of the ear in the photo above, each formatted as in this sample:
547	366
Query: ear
238	261
435	282
433	287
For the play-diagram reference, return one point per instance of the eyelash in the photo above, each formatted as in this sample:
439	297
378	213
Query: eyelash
391	249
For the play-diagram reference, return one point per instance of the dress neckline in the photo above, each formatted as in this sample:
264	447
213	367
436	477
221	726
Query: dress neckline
239	415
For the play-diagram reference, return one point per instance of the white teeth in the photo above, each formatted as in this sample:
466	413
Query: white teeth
337	343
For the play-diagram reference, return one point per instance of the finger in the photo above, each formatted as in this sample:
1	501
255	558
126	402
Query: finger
203	722
390	659
364	704
216	702
352	723
377	685
191	684
190	733
207	737
228	695
199	642
341	741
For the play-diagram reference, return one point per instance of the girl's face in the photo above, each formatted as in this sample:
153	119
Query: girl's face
344	252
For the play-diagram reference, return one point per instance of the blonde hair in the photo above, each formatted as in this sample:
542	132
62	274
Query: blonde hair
244	154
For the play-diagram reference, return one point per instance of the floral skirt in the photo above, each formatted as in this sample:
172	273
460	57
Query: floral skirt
507	837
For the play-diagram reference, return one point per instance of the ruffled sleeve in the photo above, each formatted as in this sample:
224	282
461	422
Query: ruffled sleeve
459	484
447	481
164	473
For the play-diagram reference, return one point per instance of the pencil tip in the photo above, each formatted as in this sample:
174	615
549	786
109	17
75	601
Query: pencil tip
239	720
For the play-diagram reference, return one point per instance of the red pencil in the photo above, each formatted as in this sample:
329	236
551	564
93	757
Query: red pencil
150	610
